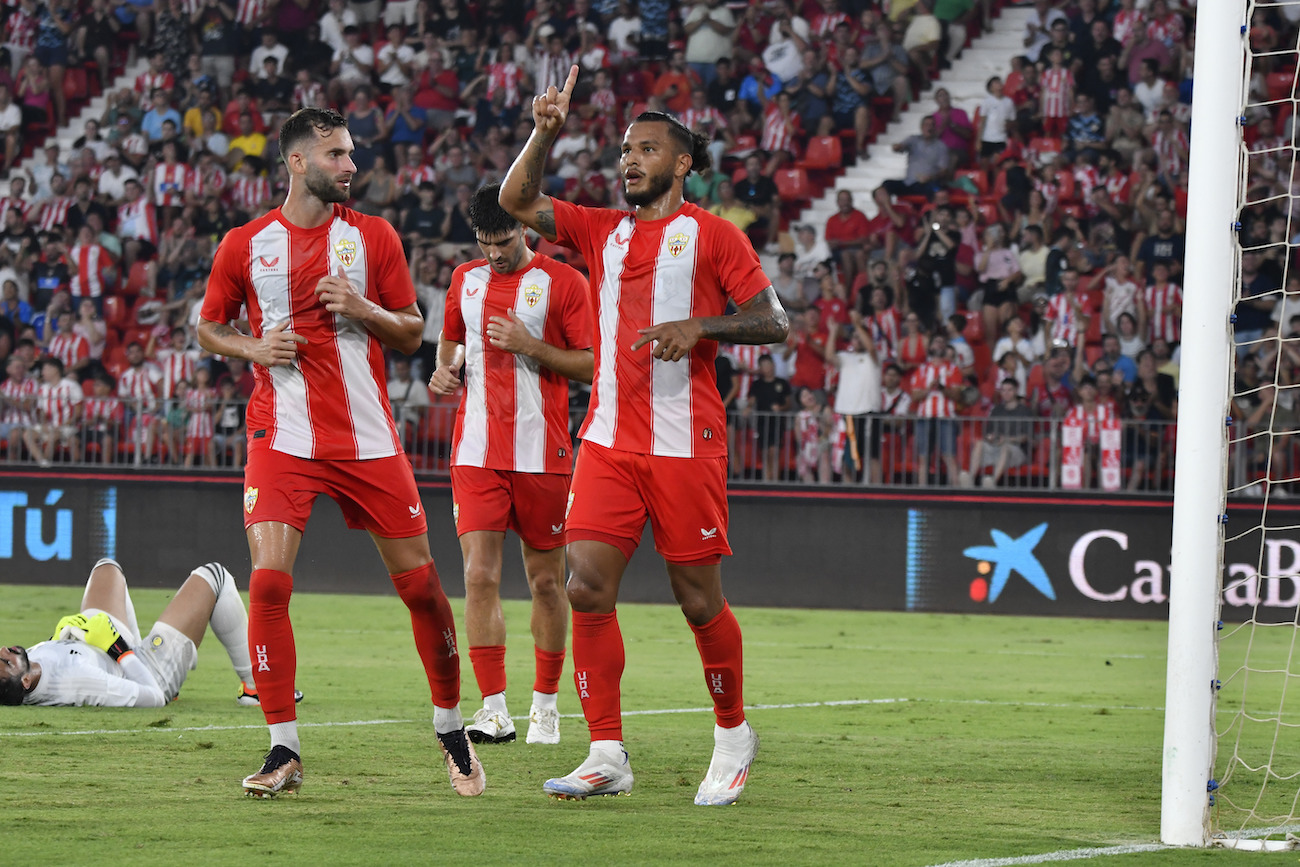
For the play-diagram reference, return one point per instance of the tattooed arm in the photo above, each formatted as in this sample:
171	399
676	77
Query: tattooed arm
521	189
760	320
276	346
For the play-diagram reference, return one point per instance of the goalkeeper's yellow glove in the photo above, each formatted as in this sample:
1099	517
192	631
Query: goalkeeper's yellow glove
101	633
71	627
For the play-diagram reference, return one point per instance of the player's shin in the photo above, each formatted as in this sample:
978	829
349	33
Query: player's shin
270	643
598	660
435	631
722	654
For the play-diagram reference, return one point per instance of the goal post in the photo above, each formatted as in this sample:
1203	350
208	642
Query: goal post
1200	472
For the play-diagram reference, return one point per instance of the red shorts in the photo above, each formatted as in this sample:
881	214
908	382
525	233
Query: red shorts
487	499
613	492
377	495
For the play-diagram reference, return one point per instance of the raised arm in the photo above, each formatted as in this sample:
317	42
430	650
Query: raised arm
760	320
521	189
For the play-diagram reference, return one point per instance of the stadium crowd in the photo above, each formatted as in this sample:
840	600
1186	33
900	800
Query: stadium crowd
1024	276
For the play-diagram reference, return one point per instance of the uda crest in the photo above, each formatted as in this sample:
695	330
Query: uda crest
677	243
250	499
532	295
347	252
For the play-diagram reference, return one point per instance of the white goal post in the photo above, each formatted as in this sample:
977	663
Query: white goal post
1200	474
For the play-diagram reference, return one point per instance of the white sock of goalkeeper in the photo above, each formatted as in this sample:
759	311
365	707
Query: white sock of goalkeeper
229	622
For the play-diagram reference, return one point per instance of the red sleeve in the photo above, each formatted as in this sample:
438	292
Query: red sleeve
734	262
228	281
576	311
578	227
388	263
453	323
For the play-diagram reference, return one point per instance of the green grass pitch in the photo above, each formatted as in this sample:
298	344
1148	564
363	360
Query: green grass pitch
966	738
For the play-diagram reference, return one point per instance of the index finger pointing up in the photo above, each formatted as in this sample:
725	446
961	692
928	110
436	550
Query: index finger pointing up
571	81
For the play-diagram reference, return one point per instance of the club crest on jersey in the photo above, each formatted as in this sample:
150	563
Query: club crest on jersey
677	243
346	251
250	499
532	295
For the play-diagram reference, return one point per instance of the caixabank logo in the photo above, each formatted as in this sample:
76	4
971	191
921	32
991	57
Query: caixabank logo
1102	563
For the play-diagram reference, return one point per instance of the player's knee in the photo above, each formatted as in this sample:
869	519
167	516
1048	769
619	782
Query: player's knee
546	587
267	591
583	595
481	579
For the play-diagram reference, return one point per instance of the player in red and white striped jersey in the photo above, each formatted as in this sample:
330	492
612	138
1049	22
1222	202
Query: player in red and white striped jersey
655	435
58	411
326	289
520	324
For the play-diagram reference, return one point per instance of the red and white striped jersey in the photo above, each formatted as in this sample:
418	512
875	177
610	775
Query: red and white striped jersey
646	272
1065	321
54	213
1058	91
58	403
20	29
213	179
508	79
248	193
1117	187
171	183
69	348
1091	420
1168	29
250	12
199	403
138	219
824	24
19	396
707	121
933	377
1127	25
89	262
1170	145
310	96
176	367
779	130
102	413
410	177
135	144
514	413
1085	178
146	81
605	101
332	404
1164	311
745	357
139	386
8	203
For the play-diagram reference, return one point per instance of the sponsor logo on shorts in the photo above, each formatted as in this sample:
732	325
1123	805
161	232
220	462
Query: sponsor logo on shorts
250	499
677	243
415	510
568	506
346	251
707	433
711	533
532	295
557	529
455	513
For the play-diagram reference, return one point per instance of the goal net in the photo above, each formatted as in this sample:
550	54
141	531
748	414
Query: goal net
1245	193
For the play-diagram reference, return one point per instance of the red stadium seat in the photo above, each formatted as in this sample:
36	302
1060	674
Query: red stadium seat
114	312
792	184
823	152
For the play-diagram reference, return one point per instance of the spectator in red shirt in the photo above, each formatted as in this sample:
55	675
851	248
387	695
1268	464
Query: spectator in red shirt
848	233
807	343
674	84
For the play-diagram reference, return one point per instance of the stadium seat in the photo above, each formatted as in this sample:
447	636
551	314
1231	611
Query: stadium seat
792	184
138	278
1280	85
823	152
114	312
976	177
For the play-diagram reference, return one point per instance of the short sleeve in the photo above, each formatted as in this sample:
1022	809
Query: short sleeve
227	282
453	323
392	274
576	323
578	227
735	263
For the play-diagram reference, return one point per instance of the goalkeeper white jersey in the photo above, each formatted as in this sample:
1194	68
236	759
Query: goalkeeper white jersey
74	673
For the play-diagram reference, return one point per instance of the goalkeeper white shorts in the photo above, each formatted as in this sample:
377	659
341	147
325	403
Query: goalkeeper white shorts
168	653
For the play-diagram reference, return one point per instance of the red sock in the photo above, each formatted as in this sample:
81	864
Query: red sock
435	631
548	665
598	667
722	653
489	661
270	643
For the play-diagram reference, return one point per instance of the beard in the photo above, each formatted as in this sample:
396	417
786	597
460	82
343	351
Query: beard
324	187
653	186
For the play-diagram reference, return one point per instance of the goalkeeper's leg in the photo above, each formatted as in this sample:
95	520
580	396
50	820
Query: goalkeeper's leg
209	597
106	591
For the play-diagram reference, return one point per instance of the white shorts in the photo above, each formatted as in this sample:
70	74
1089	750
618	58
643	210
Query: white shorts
400	12
168	653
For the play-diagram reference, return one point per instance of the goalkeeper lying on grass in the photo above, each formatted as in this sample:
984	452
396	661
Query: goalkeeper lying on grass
96	657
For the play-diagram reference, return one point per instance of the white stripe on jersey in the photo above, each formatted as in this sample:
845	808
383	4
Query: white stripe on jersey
370	428
530	411
471	451
293	433
604	418
670	381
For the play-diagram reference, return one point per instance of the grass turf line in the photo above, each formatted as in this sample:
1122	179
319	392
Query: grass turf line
1022	736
